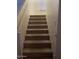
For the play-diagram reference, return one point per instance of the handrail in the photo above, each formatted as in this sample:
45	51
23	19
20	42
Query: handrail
19	50
20	19
19	42
22	11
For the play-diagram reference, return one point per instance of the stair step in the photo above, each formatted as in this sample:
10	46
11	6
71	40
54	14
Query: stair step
37	22
37	58
37	27
38	55
37	34
37	18
37	31
40	37
39	41
37	45
37	15
44	50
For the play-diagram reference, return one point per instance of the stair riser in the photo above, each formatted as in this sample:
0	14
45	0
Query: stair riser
32	55
37	45
37	18
36	31
37	27
38	58
37	15
37	22
37	38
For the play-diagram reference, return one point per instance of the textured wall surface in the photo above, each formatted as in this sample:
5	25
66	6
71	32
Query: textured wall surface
22	21
37	7
52	19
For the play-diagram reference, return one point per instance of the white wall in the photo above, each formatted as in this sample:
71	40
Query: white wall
35	7
52	17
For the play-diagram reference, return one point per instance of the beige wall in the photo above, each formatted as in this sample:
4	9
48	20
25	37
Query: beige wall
52	18
22	22
35	8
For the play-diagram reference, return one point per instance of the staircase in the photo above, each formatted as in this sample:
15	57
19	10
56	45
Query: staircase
37	43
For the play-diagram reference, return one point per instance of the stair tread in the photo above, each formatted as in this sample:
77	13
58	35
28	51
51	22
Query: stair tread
37	34
35	41
37	45
37	15
38	58
37	24
37	21
37	29
40	50
36	37
37	18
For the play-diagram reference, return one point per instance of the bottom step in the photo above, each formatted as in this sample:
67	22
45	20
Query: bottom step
37	55
41	37
39	58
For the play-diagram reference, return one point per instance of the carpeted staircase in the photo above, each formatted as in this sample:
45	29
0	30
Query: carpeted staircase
37	43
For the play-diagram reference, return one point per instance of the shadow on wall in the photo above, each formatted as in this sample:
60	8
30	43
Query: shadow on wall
19	5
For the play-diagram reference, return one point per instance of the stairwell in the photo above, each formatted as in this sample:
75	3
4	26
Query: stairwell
37	44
